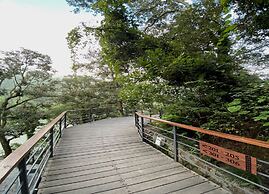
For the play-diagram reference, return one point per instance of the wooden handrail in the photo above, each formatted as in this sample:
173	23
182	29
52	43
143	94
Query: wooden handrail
237	138
10	162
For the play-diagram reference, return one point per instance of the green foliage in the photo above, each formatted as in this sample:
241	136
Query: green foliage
83	92
234	106
25	83
186	59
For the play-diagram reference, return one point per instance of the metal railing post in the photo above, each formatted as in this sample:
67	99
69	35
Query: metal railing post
142	128
90	116
51	141
60	126
136	119
23	177
160	113
65	120
175	143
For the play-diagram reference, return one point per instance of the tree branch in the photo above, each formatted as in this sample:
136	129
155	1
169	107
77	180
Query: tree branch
19	103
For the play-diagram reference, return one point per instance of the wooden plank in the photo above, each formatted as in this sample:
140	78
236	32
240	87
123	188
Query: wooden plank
202	187
60	151
100	158
91	162
99	152
160	183
155	159
217	191
78	174
90	180
83	188
114	169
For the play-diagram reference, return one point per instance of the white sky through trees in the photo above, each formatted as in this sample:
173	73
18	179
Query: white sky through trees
40	25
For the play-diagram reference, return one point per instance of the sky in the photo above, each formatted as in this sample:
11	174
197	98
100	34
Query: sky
41	25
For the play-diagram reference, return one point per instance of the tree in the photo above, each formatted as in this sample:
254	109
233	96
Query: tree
84	92
252	17
26	76
190	50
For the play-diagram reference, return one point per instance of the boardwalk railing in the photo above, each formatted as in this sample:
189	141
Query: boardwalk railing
20	172
241	162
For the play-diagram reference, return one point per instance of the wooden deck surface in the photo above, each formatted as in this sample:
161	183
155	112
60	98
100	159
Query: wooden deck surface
108	156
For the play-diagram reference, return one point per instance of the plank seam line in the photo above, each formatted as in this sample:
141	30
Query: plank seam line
164	184
148	162
97	156
104	176
183	188
105	137
96	143
90	149
217	187
95	147
102	153
88	186
93	153
160	177
101	162
153	173
80	145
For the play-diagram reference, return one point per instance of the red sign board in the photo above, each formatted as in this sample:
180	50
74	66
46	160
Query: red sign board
235	159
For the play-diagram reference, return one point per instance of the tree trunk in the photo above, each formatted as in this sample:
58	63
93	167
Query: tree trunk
5	144
121	108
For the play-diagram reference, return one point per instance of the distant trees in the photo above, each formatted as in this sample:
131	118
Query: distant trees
84	92
25	77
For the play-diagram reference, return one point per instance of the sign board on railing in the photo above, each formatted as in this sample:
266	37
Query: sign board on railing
235	159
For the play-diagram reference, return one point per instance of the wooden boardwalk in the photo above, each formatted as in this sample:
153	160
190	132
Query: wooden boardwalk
108	156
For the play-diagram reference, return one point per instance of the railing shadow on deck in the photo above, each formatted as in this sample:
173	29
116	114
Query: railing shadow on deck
21	171
238	163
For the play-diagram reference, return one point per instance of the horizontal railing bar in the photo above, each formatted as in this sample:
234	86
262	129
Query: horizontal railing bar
9	163
151	136
184	144
44	141
262	174
36	160
39	175
12	183
159	146
19	189
139	133
189	138
262	161
87	109
160	129
213	133
56	139
171	139
47	154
